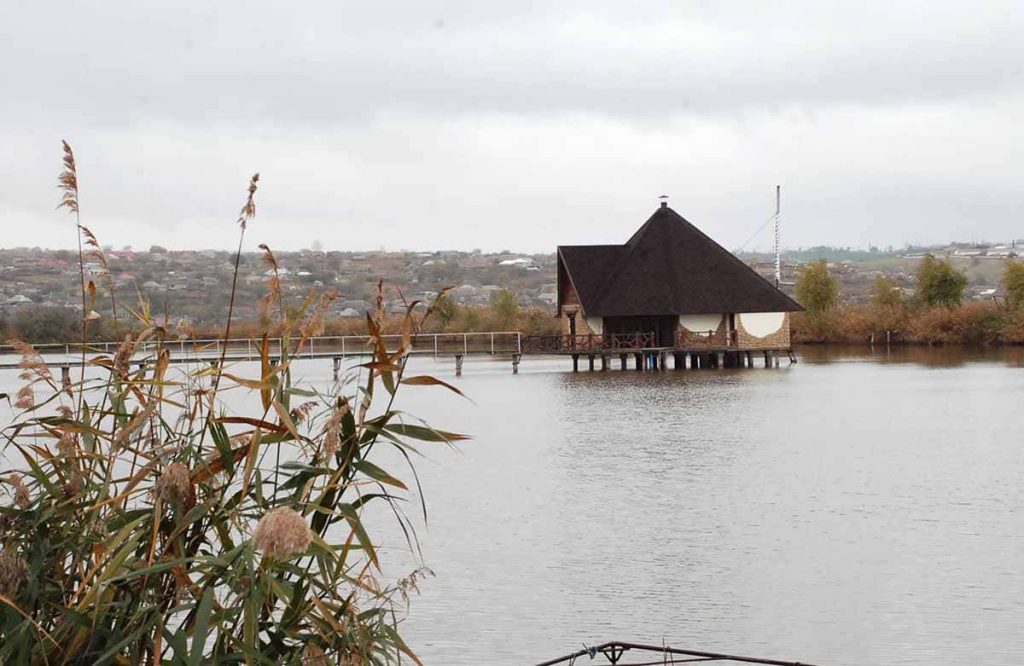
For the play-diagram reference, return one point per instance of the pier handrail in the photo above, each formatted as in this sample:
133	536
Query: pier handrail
490	342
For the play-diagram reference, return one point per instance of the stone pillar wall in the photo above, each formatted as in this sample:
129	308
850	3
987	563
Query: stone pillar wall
780	339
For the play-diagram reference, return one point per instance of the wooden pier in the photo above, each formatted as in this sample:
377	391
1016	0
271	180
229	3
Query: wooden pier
639	350
336	348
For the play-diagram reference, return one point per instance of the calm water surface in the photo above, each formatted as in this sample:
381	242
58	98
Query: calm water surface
853	509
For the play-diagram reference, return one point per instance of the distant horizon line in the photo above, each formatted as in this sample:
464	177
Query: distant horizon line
887	249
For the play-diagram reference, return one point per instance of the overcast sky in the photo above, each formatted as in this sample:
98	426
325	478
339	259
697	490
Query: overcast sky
470	124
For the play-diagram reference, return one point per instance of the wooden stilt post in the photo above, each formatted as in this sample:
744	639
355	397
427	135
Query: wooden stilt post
604	362
662	360
575	362
639	362
515	363
775	354
750	359
622	361
458	365
720	361
590	359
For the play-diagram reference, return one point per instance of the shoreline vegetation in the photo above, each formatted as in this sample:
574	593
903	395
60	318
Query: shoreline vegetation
143	519
932	313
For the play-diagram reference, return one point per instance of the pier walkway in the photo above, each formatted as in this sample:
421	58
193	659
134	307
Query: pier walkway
338	348
697	353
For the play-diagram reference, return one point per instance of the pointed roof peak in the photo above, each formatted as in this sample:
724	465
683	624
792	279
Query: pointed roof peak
669	266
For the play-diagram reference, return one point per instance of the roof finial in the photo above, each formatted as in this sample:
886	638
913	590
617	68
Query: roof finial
664	200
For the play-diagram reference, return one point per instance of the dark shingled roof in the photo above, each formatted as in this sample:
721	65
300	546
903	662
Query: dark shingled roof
668	267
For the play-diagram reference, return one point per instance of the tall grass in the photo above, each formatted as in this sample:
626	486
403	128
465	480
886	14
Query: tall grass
150	521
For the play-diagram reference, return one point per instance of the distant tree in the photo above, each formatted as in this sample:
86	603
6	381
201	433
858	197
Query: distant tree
1013	282
469	319
157	249
445	309
506	308
886	294
816	289
939	282
888	307
41	324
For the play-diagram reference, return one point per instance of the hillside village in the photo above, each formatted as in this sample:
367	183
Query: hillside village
195	285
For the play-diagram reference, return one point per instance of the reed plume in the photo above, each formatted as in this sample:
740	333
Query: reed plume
247	213
124	541
67	183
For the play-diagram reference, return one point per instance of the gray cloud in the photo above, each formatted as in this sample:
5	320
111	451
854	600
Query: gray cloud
466	124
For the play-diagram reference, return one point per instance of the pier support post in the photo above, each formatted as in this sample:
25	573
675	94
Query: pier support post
767	359
694	363
622	361
750	359
604	362
721	360
515	363
458	365
590	361
575	362
775	356
639	362
336	363
662	360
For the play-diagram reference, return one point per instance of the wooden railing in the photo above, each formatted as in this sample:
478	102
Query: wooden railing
710	339
587	344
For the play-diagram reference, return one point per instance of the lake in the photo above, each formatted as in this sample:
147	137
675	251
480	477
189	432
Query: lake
856	508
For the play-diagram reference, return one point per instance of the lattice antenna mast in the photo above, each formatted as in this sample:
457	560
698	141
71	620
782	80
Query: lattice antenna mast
778	256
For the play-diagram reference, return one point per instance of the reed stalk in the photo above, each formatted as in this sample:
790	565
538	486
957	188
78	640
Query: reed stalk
124	541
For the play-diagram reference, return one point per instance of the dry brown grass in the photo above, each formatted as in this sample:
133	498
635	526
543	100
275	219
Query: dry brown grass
974	323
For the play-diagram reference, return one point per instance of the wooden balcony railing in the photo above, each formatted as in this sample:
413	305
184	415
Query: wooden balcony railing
587	344
710	339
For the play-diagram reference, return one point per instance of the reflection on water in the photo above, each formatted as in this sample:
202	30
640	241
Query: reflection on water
860	507
916	354
857	508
